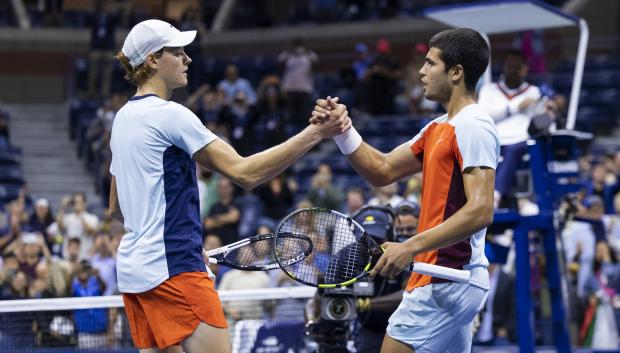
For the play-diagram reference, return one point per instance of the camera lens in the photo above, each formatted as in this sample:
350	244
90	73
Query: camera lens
339	308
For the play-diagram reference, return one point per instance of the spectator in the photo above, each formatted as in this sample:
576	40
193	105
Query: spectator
78	223
298	81
382	80
92	325
191	20
413	189
40	220
208	182
213	241
207	105
32	254
237	279
277	199
386	195
508	102
232	85
63	270
17	220
597	182
270	113
612	226
362	61
10	265
102	44
354	200
414	90
224	216
104	262
236	117
580	236
322	192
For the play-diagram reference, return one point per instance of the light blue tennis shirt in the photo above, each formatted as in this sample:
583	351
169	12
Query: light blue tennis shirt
153	141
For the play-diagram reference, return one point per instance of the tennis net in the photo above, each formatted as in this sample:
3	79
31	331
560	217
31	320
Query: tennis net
260	320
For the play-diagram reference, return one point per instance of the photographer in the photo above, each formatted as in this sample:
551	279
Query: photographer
375	300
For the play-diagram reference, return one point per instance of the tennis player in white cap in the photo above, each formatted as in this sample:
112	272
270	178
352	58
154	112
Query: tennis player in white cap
169	297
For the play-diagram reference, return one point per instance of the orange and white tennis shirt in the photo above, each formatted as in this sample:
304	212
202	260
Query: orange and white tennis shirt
447	147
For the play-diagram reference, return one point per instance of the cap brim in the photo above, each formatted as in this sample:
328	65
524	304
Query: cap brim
182	39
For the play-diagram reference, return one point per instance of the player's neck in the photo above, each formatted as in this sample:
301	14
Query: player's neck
457	102
154	86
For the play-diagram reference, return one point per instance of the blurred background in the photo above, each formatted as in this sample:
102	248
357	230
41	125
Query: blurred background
257	67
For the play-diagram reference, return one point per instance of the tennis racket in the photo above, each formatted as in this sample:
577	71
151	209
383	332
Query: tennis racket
342	251
256	253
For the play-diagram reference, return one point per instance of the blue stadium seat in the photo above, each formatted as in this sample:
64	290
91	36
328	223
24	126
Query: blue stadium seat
11	174
9	191
251	211
8	158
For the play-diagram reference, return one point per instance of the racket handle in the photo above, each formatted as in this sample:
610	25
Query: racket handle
451	274
212	260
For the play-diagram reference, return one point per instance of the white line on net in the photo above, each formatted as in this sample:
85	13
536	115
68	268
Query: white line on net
116	301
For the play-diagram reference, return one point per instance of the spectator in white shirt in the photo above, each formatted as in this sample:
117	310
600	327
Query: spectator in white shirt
508	102
78	223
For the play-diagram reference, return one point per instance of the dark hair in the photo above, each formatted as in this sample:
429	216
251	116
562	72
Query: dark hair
74	240
516	53
466	47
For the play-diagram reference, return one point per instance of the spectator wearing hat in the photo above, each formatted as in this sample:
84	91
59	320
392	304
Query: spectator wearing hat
40	220
407	217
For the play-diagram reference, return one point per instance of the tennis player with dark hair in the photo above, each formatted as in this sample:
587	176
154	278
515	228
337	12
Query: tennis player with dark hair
458	154
170	300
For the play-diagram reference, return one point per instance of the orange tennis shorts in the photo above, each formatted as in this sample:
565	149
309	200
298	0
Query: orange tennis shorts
169	313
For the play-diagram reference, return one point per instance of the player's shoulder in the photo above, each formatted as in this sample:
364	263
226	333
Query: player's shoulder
473	117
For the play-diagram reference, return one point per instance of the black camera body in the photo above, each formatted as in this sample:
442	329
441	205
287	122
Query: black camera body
338	304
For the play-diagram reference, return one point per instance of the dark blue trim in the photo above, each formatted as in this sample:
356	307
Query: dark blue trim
135	98
539	3
182	226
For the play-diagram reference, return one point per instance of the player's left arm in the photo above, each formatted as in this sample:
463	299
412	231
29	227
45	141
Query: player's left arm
114	209
476	214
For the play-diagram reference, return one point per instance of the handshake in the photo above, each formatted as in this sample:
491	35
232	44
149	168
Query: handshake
332	120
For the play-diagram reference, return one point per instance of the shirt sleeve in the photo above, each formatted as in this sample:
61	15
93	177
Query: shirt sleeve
477	144
187	132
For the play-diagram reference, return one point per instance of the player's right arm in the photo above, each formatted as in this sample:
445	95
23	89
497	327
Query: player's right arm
382	169
254	170
378	168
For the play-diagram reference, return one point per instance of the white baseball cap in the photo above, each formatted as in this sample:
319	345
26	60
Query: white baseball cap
150	36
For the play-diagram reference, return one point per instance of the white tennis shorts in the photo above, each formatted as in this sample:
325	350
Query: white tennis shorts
437	318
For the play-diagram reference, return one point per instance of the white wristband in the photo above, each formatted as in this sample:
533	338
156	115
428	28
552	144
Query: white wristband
349	141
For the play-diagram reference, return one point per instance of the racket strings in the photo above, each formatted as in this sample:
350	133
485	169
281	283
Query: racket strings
340	251
255	254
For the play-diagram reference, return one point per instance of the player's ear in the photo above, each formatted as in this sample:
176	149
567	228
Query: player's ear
457	73
151	61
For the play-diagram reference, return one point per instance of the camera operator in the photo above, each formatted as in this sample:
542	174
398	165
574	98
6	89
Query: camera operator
374	311
372	302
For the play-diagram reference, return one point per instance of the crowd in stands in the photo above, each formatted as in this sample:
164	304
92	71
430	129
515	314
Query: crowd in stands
246	14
